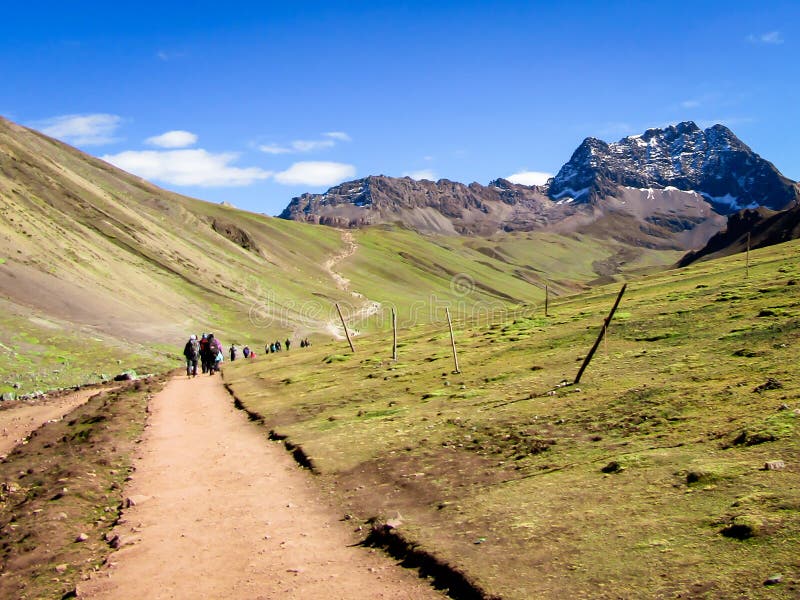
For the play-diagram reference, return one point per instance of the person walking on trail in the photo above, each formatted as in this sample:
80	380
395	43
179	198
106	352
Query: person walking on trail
214	354
287	343
192	352
233	352
204	352
246	351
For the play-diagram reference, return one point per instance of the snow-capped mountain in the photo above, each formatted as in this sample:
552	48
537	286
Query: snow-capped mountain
667	188
713	162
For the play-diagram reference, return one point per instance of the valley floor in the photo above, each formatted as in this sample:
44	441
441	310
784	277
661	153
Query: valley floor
221	512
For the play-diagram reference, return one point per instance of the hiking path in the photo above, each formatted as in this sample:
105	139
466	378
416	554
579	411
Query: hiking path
219	511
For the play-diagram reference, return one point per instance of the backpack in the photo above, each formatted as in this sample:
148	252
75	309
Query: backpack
189	351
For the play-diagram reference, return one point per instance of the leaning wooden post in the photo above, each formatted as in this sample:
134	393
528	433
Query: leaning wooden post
394	335
599	337
346	333
546	299
452	340
747	259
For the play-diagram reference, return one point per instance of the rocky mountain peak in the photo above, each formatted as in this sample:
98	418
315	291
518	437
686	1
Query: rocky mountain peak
712	162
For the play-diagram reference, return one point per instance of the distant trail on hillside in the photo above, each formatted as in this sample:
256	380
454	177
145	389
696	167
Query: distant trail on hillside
350	248
221	512
370	307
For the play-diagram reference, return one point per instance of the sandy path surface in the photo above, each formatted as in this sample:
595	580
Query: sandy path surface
228	514
17	422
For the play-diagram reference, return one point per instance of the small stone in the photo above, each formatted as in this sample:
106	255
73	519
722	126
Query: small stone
7	397
612	467
136	500
774	579
393	523
770	384
62	568
774	465
82	537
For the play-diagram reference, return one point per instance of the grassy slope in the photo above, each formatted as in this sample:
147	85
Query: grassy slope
498	470
100	270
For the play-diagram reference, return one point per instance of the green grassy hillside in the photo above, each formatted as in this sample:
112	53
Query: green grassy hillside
100	270
647	479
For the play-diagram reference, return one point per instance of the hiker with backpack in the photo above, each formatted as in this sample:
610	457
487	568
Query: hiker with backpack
205	353
215	355
192	352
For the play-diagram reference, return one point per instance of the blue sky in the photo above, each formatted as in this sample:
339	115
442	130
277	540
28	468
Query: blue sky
254	103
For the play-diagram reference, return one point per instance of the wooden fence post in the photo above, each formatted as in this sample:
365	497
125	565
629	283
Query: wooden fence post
394	335
346	333
546	299
747	259
599	337
452	340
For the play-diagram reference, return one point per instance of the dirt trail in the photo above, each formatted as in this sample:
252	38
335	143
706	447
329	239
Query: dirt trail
350	248
356	314
225	513
17	422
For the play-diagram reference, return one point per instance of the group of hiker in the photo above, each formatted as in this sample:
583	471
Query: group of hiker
208	351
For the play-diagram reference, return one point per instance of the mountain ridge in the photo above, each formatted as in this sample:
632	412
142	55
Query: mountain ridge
682	163
713	162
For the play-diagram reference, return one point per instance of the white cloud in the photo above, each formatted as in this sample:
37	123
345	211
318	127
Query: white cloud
311	145
187	167
530	177
176	138
303	146
316	173
690	103
338	135
82	130
274	149
297	146
771	37
428	174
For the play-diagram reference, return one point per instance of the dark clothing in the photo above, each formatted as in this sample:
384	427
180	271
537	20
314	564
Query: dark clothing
191	351
205	355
